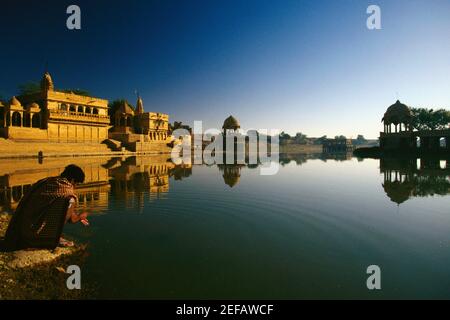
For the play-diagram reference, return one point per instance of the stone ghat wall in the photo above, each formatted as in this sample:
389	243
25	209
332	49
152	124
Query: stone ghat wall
57	133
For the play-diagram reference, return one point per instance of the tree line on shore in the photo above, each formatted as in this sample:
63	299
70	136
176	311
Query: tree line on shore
301	138
429	119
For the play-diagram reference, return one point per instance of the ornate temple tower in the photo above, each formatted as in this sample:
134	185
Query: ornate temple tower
47	82
139	105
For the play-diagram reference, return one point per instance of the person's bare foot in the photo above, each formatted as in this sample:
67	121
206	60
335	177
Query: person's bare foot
65	243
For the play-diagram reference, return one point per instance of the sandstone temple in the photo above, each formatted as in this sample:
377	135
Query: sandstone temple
52	117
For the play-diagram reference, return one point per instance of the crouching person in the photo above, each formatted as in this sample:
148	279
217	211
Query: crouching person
42	212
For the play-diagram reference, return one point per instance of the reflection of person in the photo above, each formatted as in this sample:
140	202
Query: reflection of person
29	217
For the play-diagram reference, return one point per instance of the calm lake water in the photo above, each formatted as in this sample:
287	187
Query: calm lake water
310	231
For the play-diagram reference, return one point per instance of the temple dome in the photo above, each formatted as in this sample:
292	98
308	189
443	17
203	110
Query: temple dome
231	123
125	109
397	113
33	107
14	102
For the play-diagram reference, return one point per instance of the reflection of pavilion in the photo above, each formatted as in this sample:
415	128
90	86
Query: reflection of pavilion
405	178
231	173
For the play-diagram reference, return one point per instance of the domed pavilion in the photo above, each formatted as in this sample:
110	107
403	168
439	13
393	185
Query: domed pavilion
231	123
400	116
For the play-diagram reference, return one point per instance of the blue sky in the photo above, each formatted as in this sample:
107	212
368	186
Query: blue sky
298	66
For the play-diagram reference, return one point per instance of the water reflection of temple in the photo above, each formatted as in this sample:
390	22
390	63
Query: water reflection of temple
17	176
231	173
410	177
136	177
124	178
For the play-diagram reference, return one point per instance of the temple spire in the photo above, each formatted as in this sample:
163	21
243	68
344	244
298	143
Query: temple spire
139	104
47	82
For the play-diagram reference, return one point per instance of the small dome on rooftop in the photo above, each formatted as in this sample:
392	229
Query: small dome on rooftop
397	113
125	108
231	123
33	106
15	102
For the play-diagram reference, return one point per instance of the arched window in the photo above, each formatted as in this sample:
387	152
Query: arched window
95	111
128	121
36	121
72	108
80	109
122	122
63	107
27	120
16	119
87	110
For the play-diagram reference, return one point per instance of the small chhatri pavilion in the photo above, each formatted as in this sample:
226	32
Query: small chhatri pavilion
231	124
398	116
399	133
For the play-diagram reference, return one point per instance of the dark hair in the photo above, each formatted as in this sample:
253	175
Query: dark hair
73	172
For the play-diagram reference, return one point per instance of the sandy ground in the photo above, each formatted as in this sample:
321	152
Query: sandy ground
39	274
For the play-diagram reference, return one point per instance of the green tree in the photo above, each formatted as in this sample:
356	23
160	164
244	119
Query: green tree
115	105
301	138
429	119
442	118
320	140
360	139
28	88
33	87
284	136
80	92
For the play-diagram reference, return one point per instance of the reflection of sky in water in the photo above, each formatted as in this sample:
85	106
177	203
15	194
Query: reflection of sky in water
309	231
